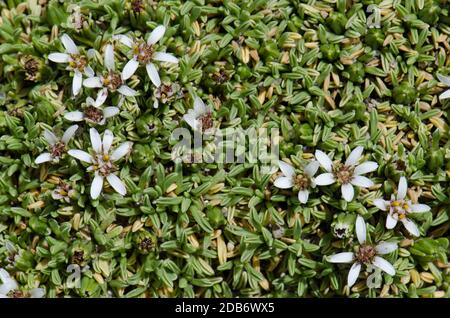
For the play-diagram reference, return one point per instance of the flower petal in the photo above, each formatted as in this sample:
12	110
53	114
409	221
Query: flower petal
91	53
88	71
37	293
44	157
96	140
362	182
121	151
347	191
311	168
109	58
116	184
353	274
50	137
345	257
4	275
391	222
384	265
420	208
303	196
190	119
156	35
324	160
366	167
101	97
286	168
444	79
125	40
59	57
445	95
74	116
410	226
90	101
77	83
284	182
402	188
386	247
325	179
93	82
126	91
8	283
129	69
110	111
80	155
68	134
381	204
354	156
199	106
165	57
96	187
108	138
361	231
69	44
153	74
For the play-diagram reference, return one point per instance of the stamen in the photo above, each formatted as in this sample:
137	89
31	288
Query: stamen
365	254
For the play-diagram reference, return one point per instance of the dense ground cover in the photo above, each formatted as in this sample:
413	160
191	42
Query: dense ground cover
93	202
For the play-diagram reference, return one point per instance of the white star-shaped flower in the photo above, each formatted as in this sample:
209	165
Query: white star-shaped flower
348	174
77	63
9	284
365	254
57	145
199	118
93	112
446	81
300	181
399	208
111	81
103	161
144	53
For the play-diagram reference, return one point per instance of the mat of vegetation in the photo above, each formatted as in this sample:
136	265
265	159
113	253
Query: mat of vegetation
94	204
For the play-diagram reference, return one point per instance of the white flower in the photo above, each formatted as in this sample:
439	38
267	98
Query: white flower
398	209
144	53
348	174
111	81
63	192
166	93
102	161
77	62
57	146
93	113
302	182
9	284
446	81
366	254
199	118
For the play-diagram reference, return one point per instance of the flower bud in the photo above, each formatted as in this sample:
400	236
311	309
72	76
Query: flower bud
24	260
215	217
145	241
80	253
142	155
404	93
356	73
336	21
343	225
330	51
